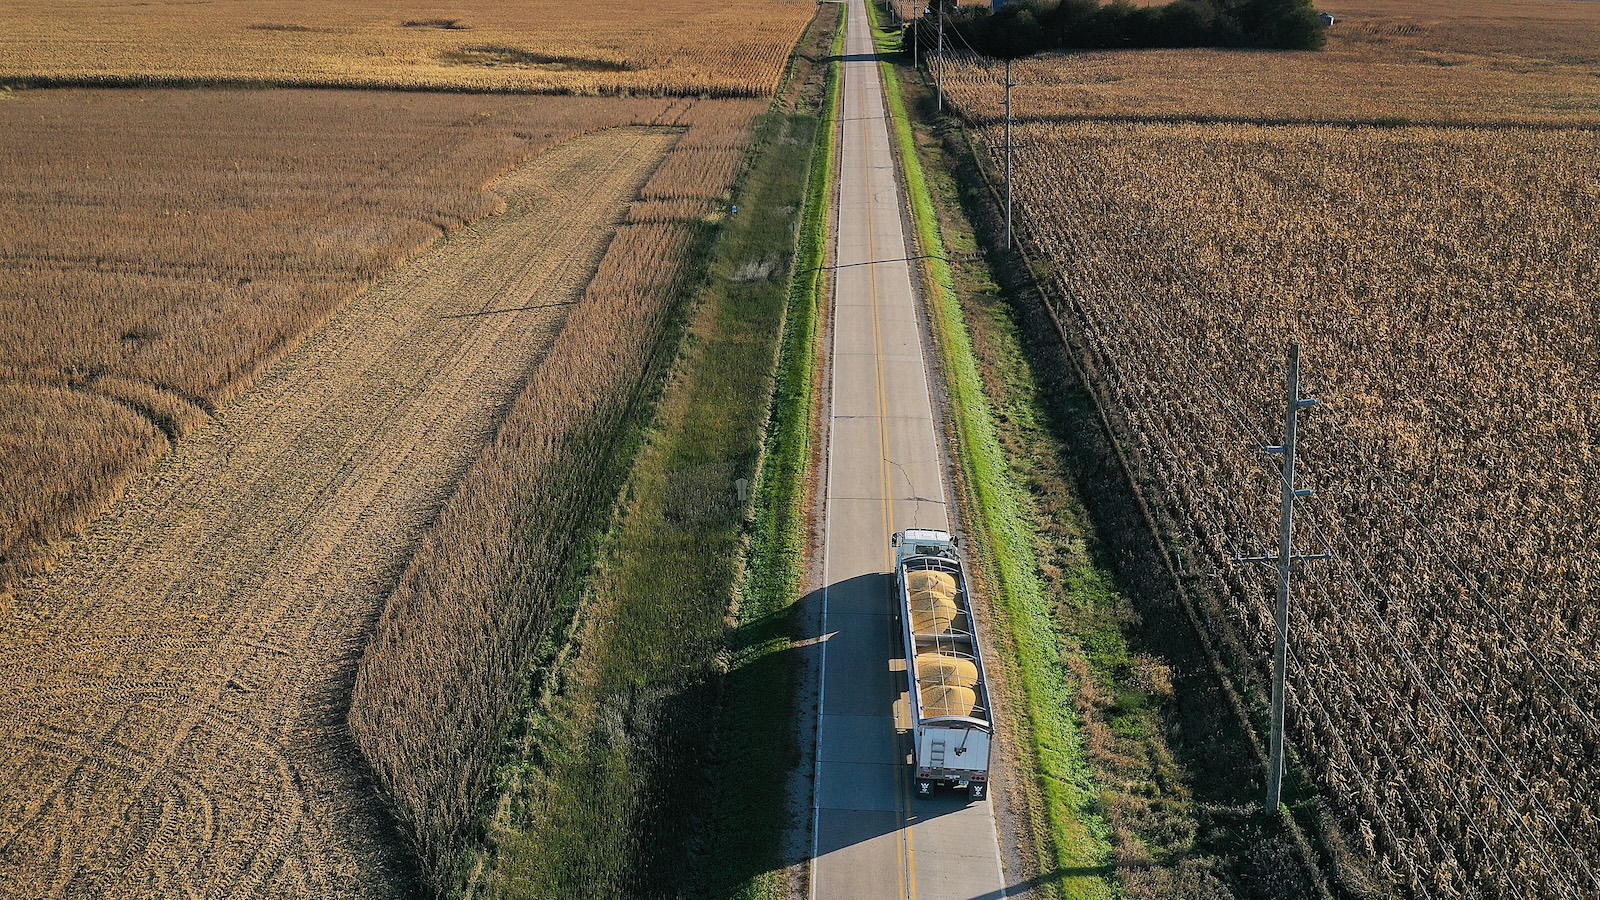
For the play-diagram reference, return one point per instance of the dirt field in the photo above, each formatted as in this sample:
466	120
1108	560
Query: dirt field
177	688
540	45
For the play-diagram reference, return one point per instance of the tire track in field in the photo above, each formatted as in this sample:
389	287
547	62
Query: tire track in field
174	723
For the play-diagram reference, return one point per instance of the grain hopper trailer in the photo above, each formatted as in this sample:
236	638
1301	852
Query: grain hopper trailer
951	724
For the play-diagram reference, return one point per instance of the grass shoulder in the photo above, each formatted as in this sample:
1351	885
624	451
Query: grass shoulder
756	727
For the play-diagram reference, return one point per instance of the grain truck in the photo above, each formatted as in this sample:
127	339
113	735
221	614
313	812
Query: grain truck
951	724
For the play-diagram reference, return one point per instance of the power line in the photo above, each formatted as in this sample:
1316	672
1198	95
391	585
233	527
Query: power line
1384	480
1318	704
1418	675
1506	626
1192	364
1154	318
1467	746
1468	815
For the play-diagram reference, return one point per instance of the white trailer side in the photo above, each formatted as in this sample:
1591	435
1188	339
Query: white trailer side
952	723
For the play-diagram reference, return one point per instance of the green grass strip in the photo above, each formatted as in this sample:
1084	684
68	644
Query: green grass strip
1078	840
758	745
661	766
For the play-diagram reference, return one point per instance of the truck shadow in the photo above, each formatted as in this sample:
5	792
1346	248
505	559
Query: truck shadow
860	778
860	57
709	818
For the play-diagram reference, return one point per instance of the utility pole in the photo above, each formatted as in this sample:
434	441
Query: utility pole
1009	85
1285	561
916	32
939	77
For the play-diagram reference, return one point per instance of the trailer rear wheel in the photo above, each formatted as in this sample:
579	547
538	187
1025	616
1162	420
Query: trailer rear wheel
975	790
924	787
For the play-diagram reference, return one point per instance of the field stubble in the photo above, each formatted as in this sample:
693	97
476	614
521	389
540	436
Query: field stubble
1442	685
151	279
487	45
1440	280
177	723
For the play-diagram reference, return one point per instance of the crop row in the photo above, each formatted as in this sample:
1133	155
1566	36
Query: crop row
671	47
1443	685
481	601
152	277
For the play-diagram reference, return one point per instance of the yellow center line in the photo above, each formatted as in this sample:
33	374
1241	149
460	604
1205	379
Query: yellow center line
908	858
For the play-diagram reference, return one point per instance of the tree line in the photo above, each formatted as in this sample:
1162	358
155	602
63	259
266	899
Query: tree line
1022	27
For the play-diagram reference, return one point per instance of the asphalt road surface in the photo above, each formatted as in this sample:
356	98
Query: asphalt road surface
873	839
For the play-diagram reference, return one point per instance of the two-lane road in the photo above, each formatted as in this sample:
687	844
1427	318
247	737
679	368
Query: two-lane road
872	839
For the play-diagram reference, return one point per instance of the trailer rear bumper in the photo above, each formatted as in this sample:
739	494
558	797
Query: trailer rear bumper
974	782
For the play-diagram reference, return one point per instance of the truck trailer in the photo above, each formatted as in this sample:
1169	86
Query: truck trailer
951	719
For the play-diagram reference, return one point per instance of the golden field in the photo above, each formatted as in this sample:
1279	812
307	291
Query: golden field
1484	62
676	46
1196	211
261	347
151	278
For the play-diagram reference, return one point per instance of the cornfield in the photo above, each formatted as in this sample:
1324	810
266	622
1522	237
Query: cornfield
485	45
1444	691
452	654
152	278
245	571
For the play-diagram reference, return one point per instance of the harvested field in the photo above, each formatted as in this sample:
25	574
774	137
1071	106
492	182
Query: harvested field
1443	685
722	49
150	278
1435	62
178	685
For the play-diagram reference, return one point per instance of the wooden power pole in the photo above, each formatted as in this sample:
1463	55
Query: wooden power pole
1009	85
